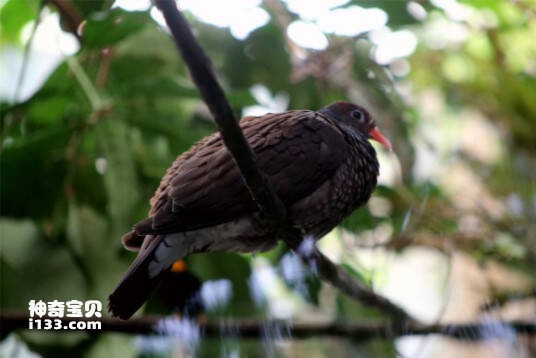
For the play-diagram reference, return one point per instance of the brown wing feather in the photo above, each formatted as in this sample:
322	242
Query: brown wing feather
298	150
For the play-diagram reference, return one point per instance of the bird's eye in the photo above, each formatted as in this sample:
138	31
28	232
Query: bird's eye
359	115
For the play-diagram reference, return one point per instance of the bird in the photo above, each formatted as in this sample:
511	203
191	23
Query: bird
320	164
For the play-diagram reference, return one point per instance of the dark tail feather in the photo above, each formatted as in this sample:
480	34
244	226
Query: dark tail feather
132	241
136	286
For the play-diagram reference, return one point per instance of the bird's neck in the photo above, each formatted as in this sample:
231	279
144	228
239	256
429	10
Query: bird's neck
327	111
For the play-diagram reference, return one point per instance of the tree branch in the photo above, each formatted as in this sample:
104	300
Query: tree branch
11	321
201	71
258	184
70	14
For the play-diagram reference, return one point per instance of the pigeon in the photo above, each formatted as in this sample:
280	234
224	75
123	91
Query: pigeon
320	163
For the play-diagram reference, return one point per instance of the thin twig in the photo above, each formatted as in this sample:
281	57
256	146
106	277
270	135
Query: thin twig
107	55
99	106
258	184
26	55
85	83
70	14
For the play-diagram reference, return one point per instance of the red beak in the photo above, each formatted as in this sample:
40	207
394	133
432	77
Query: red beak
380	138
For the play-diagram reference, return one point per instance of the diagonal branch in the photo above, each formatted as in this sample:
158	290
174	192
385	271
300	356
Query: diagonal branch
201	71
258	184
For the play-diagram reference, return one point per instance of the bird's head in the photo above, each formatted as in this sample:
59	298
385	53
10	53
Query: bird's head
356	117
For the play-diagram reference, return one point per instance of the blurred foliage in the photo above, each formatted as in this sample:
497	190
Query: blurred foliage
82	156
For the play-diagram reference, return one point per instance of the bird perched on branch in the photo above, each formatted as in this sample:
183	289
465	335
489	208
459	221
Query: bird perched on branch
320	163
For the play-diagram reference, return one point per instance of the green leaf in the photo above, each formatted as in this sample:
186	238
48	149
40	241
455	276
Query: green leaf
14	15
108	28
88	235
33	172
43	271
120	178
88	183
18	237
88	7
360	220
48	111
484	4
266	48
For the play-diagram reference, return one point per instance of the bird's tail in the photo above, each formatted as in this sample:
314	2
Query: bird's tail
140	280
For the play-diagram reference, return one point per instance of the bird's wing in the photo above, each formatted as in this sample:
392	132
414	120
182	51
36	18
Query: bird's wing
298	150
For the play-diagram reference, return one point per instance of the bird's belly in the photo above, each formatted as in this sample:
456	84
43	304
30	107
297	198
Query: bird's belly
241	235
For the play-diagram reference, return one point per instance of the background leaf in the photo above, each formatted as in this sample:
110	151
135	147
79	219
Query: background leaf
14	15
110	27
